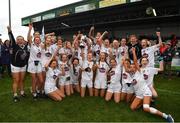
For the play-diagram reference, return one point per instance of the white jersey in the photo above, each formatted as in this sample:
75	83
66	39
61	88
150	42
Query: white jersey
101	75
148	74
138	82
97	49
126	78
35	53
66	77
116	54
123	51
46	55
115	74
54	47
75	73
87	75
148	52
51	76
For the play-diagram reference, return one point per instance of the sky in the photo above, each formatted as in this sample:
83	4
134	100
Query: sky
23	8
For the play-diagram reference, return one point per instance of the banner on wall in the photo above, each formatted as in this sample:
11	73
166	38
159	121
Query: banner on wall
106	3
48	16
85	7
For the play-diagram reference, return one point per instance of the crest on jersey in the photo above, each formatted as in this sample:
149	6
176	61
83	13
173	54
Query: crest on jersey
124	75
54	76
38	55
66	68
145	55
122	53
98	52
145	76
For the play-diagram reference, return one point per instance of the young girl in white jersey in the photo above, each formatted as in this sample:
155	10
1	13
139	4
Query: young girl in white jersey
75	74
64	81
127	89
143	93
114	88
149	53
47	53
101	75
87	67
35	65
52	75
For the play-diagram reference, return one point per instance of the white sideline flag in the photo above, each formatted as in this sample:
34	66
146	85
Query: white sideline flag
42	35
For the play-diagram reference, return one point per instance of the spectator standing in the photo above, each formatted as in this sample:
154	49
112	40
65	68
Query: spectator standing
167	58
5	57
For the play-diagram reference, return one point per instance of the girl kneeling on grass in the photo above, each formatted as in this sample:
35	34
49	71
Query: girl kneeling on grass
52	74
142	91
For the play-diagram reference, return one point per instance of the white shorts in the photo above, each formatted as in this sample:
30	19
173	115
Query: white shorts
127	89
32	68
100	84
87	83
114	88
63	82
144	92
49	89
15	69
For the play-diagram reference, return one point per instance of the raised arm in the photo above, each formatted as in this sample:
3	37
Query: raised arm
29	37
103	35
91	33
11	36
159	38
135	58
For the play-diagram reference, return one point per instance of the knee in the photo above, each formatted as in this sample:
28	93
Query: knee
146	107
116	101
107	98
58	99
133	108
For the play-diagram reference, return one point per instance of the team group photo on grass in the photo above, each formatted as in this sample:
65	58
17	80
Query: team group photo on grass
90	76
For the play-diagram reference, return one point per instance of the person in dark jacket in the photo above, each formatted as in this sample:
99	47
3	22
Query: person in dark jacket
168	55
19	60
5	57
134	43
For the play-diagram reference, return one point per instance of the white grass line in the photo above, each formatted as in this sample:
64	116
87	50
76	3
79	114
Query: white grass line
168	92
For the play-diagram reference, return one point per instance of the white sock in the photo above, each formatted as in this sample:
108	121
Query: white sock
38	91
22	92
42	91
15	94
34	94
165	115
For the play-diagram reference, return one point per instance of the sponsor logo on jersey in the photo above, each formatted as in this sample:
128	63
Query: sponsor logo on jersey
102	70
145	55
48	54
134	82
